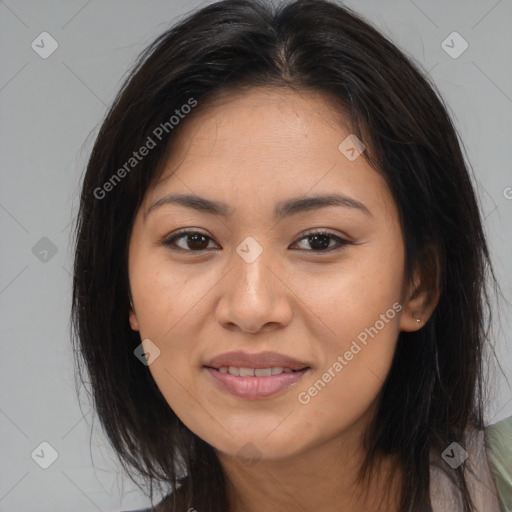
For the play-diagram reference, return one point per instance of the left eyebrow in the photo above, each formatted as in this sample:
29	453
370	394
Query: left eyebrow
304	204
281	210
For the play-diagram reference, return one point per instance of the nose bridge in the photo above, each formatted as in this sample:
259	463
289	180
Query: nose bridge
251	263
252	296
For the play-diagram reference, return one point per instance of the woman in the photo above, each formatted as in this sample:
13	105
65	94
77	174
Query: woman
281	273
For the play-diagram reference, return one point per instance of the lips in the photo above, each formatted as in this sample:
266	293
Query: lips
255	376
256	361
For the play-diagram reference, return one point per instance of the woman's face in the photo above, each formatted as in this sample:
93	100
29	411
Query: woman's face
253	278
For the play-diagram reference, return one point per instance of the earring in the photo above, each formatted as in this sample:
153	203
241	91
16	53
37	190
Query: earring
418	320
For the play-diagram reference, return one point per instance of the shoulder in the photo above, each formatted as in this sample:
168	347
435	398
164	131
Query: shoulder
498	443
444	491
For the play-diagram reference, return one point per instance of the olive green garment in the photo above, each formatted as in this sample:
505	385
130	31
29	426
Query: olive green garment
498	440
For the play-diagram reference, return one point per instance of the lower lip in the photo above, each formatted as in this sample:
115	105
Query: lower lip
254	388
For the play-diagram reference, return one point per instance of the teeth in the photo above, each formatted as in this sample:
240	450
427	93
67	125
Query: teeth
246	372
263	372
254	372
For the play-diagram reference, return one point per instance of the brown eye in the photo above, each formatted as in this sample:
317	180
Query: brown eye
191	241
321	241
194	241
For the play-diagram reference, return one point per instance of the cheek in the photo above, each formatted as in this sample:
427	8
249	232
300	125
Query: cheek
171	307
352	295
359	311
355	365
165	297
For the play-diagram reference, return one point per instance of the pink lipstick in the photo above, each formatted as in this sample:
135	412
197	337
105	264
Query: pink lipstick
255	376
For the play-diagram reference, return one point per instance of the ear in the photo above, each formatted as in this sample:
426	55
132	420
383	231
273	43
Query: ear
134	324
422	294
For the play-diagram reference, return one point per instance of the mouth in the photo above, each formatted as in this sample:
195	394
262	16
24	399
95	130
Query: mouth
255	376
244	362
256	372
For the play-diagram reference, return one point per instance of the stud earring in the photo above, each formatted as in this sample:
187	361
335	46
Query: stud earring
418	320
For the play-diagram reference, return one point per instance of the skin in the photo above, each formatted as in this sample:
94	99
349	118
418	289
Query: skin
251	151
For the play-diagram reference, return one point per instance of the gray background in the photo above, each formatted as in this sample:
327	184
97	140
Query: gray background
50	111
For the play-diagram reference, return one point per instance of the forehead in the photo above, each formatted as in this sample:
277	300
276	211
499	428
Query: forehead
255	119
263	143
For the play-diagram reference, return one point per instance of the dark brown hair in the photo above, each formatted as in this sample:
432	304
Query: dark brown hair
434	390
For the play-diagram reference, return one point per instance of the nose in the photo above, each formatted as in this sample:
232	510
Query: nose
254	295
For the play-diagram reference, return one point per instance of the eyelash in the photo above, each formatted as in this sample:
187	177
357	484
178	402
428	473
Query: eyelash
170	242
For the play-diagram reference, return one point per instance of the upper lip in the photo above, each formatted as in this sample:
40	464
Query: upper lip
255	360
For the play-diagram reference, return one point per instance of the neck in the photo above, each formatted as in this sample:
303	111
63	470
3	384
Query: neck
323	477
